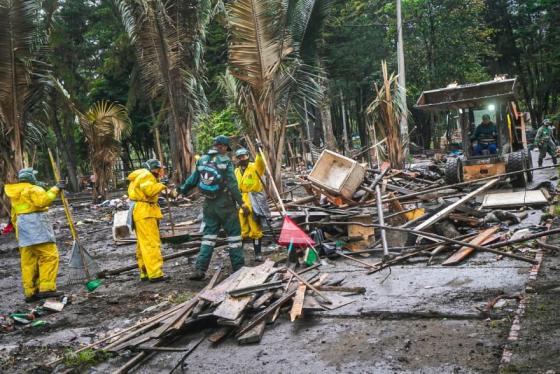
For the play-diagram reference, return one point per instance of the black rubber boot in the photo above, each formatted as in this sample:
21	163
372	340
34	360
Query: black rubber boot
540	162
554	160
257	248
163	278
197	275
48	294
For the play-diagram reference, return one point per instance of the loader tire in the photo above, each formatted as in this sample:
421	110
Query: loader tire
517	161
453	170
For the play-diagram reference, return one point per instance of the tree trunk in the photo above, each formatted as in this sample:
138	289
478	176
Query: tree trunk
325	115
66	145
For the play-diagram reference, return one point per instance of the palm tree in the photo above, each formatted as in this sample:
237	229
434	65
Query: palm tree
386	111
104	125
20	79
266	39
169	36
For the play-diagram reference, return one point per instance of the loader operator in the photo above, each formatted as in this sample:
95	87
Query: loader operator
249	176
35	235
144	215
486	135
544	142
214	177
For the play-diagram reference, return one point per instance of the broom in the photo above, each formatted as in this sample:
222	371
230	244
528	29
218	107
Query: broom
82	266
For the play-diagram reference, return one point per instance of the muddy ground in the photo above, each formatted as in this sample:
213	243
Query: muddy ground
413	319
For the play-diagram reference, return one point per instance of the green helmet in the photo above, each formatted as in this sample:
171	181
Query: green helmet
241	152
27	175
222	139
152	164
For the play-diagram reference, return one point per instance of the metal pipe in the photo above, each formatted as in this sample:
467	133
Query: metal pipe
381	220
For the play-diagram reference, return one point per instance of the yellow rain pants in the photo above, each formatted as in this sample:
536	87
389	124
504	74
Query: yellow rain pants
144	190
249	181
39	262
39	268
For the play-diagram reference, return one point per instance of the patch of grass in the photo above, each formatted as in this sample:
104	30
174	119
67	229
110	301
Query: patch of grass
181	297
509	369
85	358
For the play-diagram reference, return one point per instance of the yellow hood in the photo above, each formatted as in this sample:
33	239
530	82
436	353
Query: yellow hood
13	191
132	176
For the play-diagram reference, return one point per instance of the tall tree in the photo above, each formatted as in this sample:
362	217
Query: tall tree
270	76
526	40
21	85
168	36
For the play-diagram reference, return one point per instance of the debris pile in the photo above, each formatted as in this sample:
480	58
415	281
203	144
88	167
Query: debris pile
240	306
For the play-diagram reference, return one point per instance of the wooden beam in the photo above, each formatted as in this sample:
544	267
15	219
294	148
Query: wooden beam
446	211
481	239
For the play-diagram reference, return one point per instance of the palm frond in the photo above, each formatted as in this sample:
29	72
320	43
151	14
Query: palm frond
386	110
256	51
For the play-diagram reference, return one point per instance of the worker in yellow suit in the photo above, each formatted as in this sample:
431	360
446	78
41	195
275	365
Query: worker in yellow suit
248	176
144	215
34	231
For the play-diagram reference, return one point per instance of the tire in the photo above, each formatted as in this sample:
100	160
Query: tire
517	161
453	171
529	164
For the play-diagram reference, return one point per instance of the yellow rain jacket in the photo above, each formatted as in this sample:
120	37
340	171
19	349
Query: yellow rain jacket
250	181
144	190
29	198
39	262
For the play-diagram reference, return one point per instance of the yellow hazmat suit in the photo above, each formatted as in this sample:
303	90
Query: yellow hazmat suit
249	181
39	262
143	190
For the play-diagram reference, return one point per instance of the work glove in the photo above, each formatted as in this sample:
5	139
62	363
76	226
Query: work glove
246	210
61	185
164	180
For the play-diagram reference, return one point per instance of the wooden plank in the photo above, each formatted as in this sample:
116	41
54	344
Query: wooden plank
366	233
220	334
232	307
310	303
263	299
446	211
219	293
229	322
484	237
254	335
511	199
297	306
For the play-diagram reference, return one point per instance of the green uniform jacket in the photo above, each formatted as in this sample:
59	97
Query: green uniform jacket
224	163
544	136
486	134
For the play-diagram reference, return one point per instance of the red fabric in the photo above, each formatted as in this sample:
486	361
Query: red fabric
291	232
8	229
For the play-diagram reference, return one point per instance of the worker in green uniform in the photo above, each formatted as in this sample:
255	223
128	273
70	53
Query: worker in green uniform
214	176
544	141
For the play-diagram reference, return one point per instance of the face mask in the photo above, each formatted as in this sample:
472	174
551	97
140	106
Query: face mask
243	163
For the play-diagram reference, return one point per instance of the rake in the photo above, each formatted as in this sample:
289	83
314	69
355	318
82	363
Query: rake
82	266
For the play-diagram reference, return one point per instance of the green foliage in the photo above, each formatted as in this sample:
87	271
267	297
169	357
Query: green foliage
224	122
84	359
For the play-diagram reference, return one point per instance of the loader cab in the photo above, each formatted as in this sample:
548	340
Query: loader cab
498	147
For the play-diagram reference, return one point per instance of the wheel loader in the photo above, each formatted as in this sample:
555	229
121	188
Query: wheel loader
464	108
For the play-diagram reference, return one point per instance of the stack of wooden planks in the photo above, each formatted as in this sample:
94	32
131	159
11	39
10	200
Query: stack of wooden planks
240	306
